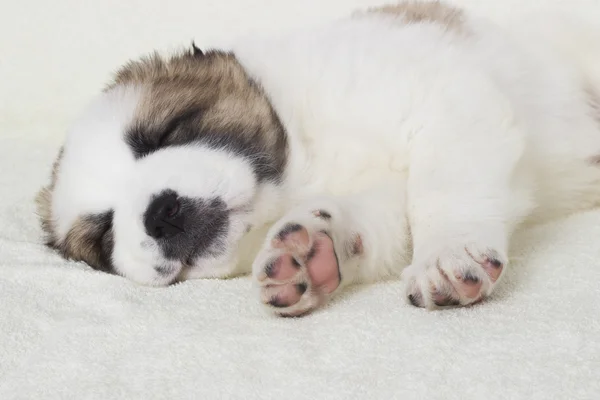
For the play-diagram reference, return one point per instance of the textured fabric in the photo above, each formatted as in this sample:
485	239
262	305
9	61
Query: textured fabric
67	332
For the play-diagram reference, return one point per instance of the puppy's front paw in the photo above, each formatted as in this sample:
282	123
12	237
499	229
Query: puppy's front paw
456	275
299	267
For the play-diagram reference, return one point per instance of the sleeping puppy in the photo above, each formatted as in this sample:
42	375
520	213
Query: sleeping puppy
409	141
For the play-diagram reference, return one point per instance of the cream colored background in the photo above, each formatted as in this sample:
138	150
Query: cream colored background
69	333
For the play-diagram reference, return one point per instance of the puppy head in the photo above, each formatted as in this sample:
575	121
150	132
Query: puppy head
165	170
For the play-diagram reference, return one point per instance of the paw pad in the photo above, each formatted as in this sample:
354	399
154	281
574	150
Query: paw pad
299	267
455	277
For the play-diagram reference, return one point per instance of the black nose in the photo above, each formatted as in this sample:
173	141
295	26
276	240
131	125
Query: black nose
164	217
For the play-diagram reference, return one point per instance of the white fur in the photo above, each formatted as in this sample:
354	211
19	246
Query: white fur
482	132
96	165
421	136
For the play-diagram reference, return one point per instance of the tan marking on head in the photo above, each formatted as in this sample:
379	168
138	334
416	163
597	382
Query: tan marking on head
436	12
214	86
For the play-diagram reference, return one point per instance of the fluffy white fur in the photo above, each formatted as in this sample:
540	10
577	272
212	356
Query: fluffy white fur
475	135
434	146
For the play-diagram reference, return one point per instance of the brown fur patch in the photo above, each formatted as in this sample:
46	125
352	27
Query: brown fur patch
436	12
90	239
205	98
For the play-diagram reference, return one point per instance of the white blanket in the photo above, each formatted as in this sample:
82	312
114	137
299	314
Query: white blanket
67	332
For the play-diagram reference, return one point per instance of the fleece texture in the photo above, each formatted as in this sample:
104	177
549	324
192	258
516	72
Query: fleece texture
67	332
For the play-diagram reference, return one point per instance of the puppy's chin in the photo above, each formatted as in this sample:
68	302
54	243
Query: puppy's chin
208	268
162	274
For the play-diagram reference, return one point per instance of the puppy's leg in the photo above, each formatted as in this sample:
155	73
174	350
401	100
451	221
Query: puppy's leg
327	243
468	188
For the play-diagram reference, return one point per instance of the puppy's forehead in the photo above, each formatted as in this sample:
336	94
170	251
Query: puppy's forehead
187	81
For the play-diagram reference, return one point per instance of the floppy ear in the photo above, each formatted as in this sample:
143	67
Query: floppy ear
196	51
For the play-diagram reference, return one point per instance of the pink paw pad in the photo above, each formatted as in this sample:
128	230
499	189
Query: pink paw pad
306	263
467	285
493	267
467	282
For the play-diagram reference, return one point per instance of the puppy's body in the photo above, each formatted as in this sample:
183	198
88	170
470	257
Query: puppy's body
434	125
412	134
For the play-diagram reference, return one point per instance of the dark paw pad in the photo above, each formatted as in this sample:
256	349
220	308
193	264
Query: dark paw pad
322	214
496	263
441	300
469	278
416	299
289	228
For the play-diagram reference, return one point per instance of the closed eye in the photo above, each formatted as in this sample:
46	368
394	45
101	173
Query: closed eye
170	130
143	140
